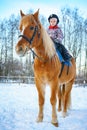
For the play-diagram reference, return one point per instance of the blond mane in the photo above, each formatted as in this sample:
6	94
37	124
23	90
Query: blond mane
48	43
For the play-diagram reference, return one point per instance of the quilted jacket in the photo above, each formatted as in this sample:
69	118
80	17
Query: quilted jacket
56	34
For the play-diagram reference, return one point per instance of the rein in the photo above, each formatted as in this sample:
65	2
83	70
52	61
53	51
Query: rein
38	56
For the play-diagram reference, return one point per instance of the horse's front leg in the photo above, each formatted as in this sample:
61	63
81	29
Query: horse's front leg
59	98
41	94
53	101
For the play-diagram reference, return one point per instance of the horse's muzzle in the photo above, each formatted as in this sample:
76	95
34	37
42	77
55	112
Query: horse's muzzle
21	51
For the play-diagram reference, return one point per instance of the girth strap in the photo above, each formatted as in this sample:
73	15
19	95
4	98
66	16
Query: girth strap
61	69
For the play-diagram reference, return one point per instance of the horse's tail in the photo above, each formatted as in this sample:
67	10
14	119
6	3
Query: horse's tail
68	97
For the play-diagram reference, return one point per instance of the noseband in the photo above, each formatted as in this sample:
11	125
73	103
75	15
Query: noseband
30	39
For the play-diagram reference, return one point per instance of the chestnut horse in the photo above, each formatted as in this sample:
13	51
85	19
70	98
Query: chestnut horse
47	66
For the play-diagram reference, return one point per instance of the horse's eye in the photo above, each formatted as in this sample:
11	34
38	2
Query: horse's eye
31	28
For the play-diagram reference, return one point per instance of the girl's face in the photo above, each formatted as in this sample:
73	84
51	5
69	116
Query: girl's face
53	21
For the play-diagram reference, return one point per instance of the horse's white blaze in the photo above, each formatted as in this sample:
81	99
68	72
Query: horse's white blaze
22	32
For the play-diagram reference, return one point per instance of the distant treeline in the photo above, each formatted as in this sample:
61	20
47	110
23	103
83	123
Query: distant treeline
74	27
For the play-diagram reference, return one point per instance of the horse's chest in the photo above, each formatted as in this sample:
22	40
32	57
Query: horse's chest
45	77
44	73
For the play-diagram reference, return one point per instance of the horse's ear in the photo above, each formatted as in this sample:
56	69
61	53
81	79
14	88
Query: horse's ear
21	13
36	14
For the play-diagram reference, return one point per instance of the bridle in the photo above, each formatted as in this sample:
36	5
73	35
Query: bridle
30	40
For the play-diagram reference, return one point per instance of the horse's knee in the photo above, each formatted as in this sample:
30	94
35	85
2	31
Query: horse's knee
53	100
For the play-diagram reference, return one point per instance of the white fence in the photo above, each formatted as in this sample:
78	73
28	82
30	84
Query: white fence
30	80
16	79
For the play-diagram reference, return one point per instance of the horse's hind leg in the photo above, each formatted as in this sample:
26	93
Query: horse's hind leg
67	97
41	94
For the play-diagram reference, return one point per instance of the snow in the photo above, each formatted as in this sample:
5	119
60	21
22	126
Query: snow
19	108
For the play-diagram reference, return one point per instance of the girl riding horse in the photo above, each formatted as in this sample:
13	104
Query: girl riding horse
47	66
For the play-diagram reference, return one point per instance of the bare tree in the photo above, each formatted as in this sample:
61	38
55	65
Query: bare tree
85	31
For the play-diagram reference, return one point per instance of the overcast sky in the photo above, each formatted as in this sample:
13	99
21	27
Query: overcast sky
8	7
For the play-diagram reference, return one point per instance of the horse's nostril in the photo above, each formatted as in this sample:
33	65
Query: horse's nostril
20	48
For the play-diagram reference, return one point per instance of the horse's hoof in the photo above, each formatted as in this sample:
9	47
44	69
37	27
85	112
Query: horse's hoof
64	114
55	124
39	120
59	109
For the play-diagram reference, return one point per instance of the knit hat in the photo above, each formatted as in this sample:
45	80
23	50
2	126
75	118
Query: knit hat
53	16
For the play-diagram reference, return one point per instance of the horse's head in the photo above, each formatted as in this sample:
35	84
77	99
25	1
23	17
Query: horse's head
30	29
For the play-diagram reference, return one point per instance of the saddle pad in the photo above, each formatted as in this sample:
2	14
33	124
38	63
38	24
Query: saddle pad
68	63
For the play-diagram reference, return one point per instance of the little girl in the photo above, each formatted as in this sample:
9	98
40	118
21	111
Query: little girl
56	35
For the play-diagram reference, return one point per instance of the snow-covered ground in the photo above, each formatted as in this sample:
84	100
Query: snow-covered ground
19	108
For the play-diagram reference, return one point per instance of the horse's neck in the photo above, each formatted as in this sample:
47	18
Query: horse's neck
45	48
